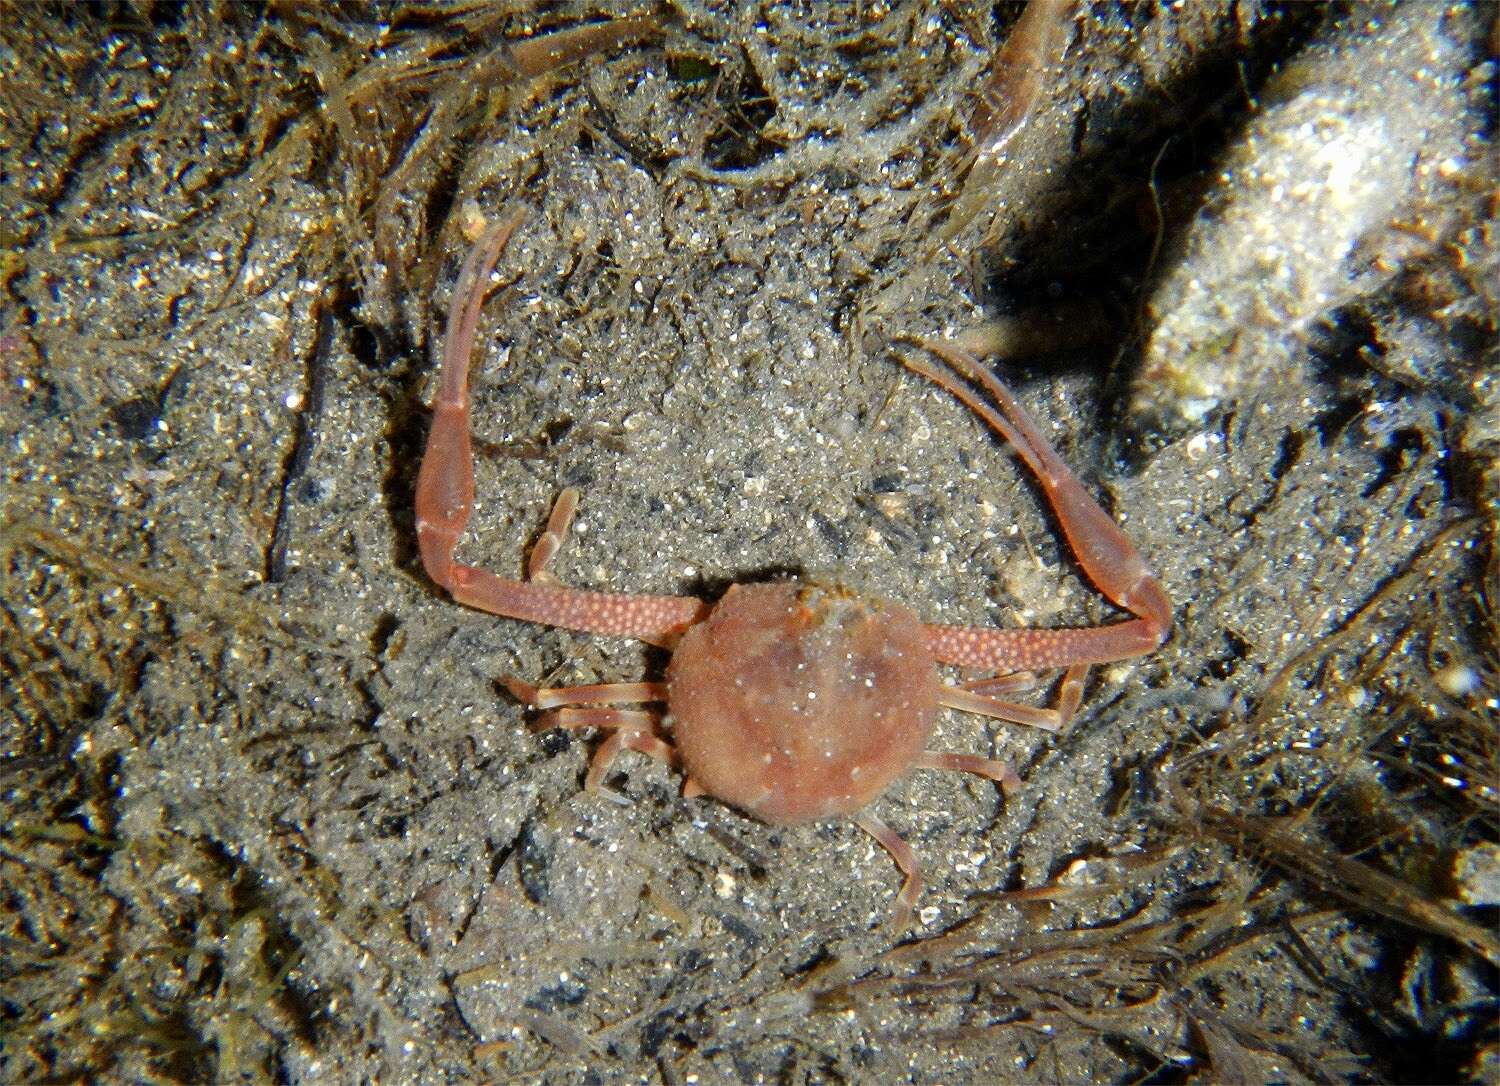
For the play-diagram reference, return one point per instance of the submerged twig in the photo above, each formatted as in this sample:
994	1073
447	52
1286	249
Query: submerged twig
1007	98
1357	883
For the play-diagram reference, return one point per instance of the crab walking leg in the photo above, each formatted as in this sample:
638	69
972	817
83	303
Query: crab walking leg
1107	556
1011	683
553	537
1069	697
634	729
906	860
630	720
445	497
626	739
545	697
988	768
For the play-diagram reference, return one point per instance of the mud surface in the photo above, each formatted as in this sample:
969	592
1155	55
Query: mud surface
268	813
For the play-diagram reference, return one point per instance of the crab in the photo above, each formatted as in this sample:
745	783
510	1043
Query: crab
792	701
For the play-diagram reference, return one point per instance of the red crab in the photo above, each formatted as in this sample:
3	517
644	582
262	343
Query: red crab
792	701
